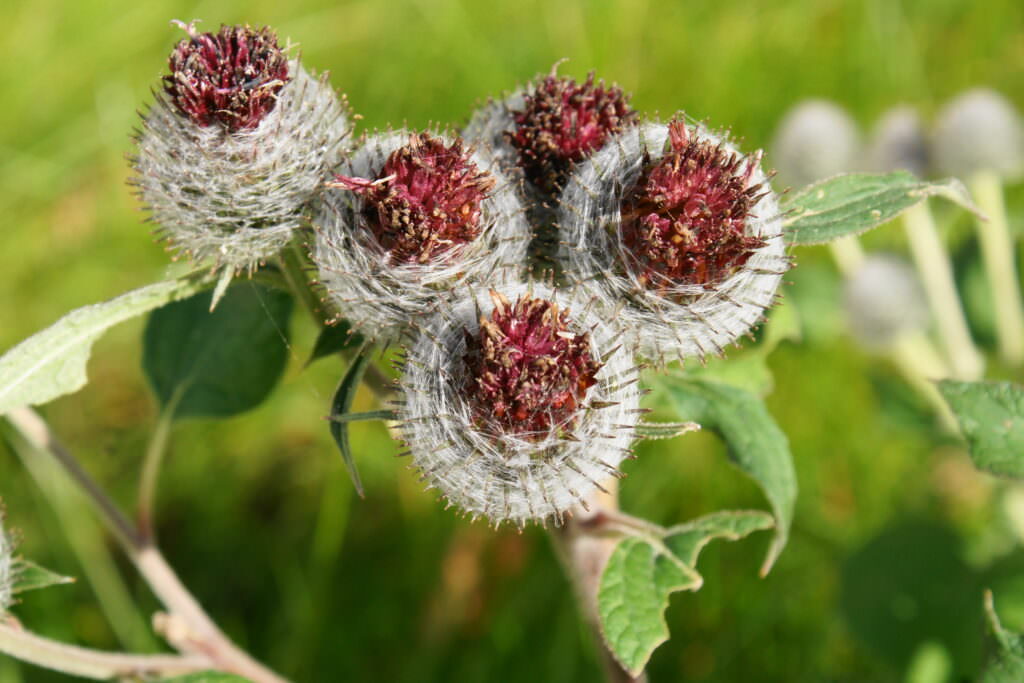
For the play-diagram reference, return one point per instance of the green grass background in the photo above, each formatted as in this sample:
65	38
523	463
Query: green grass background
894	537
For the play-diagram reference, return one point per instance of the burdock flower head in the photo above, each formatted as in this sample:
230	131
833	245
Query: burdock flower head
409	216
551	125
235	145
677	232
518	402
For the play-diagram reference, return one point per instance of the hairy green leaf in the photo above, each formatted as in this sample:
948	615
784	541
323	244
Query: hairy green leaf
642	573
229	360
335	338
52	363
340	404
991	415
29	576
755	442
854	203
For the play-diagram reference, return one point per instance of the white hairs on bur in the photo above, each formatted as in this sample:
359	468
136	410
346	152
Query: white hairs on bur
235	198
489	126
506	477
697	320
379	297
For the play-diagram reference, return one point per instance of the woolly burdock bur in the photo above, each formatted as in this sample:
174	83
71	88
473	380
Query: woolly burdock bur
678	234
408	217
235	145
425	201
518	402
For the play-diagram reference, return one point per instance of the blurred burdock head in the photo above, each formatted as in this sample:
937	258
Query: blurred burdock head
675	231
551	125
235	147
518	402
979	130
424	202
898	142
883	299
817	139
229	78
409	216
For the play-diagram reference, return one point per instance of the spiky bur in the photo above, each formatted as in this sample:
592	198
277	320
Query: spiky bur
229	78
551	125
684	220
518	404
230	187
425	201
676	232
816	139
527	371
979	130
410	217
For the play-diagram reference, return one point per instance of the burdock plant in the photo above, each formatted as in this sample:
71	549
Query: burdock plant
520	391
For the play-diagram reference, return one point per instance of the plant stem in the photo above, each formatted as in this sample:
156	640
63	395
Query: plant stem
848	254
155	452
96	664
199	635
914	354
998	254
584	550
936	272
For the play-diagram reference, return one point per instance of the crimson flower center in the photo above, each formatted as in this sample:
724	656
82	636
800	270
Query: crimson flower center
426	200
684	221
229	78
562	122
528	372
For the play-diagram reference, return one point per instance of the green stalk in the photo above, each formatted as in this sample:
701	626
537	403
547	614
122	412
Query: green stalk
998	254
932	261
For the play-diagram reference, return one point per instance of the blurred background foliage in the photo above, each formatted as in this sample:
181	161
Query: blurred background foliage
895	534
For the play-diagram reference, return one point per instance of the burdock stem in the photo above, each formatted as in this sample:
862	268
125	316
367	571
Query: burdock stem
584	547
936	272
998	254
192	631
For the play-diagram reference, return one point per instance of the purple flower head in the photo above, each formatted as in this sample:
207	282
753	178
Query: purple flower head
562	122
425	201
230	78
528	373
684	220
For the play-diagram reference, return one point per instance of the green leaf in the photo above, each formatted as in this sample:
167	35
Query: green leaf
756	444
29	576
854	203
687	540
52	363
665	430
1008	664
642	573
991	415
333	339
228	360
206	677
340	404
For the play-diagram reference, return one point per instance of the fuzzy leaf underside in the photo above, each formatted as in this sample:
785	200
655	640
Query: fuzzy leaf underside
222	362
29	576
642	573
853	203
991	416
52	363
755	442
340	404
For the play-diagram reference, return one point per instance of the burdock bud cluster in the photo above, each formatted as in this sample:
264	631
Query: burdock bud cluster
235	146
551	125
519	401
678	233
410	215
